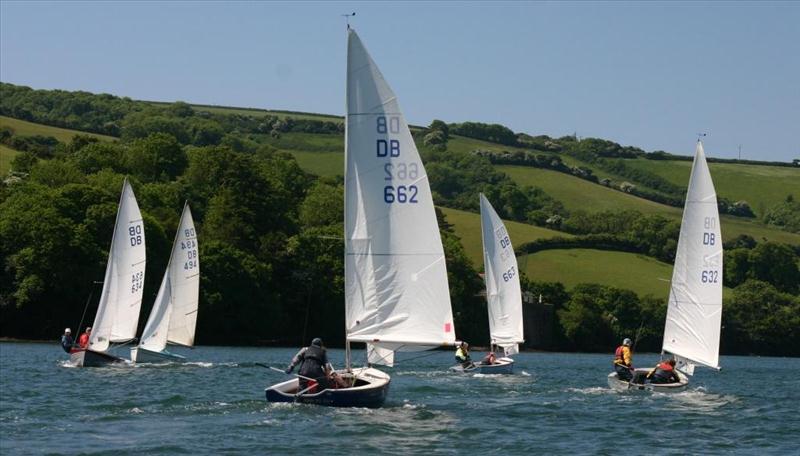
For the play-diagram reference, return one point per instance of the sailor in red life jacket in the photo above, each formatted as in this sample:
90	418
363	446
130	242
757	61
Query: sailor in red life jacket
664	373
83	340
623	360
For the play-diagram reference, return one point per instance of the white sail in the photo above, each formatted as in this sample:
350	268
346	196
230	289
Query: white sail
118	312
503	293
695	300
174	313
185	280
396	287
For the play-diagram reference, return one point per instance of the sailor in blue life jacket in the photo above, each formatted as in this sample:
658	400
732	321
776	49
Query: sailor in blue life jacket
462	355
66	340
313	361
623	360
664	373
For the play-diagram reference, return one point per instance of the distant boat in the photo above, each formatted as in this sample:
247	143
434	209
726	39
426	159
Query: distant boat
694	313
503	293
118	311
174	313
396	290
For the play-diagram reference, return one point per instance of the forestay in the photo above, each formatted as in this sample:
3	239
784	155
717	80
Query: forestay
118	312
694	314
503	294
174	313
395	273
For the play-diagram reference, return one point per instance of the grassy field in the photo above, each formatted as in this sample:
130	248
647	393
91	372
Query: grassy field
639	273
760	186
577	194
320	163
467	226
6	155
22	127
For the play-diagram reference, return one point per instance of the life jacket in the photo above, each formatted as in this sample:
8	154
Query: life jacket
664	371
461	354
314	359
83	341
619	355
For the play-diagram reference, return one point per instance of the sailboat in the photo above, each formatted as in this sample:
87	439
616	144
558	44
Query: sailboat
503	293
396	291
694	312
118	311
174	313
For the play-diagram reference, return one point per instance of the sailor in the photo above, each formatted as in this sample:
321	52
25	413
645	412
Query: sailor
623	360
66	340
462	355
313	361
664	373
489	359
83	340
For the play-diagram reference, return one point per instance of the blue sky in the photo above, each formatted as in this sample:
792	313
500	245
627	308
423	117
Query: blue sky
649	74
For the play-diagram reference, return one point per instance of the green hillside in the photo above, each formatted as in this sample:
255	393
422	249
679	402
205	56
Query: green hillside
467	226
25	128
580	194
6	155
639	273
760	186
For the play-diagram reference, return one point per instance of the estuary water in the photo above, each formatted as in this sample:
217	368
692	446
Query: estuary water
555	403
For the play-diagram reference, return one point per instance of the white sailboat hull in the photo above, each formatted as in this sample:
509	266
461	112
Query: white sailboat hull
501	366
623	385
370	390
142	355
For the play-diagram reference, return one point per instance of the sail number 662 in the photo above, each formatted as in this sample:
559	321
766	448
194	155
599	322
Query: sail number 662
400	194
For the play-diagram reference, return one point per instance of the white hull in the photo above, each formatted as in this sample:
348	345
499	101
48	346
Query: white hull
142	355
623	385
370	389
501	366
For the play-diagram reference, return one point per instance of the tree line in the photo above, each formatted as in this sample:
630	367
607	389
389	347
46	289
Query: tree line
270	233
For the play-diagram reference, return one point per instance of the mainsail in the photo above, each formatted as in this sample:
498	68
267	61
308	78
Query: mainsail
396	290
118	311
503	294
174	313
695	300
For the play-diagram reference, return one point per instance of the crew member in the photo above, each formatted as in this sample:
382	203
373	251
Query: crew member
462	355
623	360
313	361
83	340
66	340
489	359
664	373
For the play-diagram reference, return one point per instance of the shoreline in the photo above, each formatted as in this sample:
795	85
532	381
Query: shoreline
12	340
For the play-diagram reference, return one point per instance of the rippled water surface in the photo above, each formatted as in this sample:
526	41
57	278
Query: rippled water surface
554	403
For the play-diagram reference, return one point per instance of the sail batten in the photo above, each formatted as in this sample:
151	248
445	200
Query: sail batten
395	272
501	273
694	313
121	299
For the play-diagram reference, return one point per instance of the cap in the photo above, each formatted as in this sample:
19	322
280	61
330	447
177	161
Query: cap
67	330
626	341
317	341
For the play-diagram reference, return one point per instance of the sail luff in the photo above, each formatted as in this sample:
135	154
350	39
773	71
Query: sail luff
395	271
692	327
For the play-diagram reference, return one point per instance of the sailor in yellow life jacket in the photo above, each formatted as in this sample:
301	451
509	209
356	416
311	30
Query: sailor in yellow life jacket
462	355
623	360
